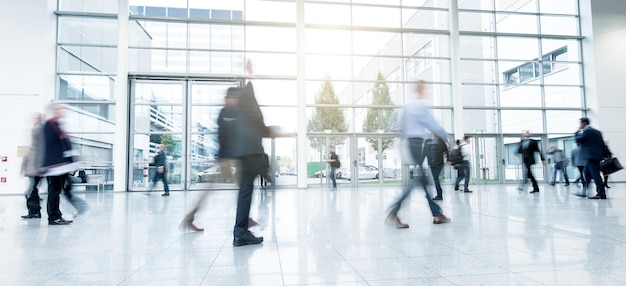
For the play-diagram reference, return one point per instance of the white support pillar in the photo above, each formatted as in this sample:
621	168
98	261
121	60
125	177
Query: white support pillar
301	92
121	148
455	66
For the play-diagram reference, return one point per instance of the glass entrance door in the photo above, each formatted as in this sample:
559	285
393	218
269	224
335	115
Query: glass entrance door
486	161
181	114
317	168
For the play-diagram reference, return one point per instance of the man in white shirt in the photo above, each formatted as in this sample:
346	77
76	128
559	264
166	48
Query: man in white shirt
464	167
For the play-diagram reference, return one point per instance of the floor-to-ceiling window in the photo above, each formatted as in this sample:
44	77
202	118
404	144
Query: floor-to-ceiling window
520	70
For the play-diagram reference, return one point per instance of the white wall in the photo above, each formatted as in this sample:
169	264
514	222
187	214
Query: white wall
27	80
605	61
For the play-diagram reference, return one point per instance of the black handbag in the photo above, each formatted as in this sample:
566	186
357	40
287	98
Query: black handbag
610	166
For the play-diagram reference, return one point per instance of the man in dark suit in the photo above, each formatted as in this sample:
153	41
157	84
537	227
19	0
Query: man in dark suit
160	162
592	151
248	148
528	147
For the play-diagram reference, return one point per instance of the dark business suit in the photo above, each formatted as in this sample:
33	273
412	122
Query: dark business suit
160	161
592	151
247	146
528	147
435	150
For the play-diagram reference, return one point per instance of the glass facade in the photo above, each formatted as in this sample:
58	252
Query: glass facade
519	69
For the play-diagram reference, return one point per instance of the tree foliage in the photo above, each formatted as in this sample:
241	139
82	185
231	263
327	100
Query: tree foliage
326	118
379	119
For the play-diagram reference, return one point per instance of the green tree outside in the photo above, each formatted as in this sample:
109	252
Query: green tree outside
383	119
327	118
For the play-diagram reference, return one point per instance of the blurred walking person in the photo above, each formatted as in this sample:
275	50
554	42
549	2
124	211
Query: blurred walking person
58	161
528	147
226	128
160	162
592	151
415	123
560	163
580	164
463	168
608	156
30	168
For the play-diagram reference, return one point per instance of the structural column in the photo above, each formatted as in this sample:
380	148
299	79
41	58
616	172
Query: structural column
121	148
455	66
301	91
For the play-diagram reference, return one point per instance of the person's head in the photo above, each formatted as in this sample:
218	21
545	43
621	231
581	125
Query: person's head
420	88
160	147
432	134
331	148
584	122
37	117
57	110
232	96
526	134
249	66
466	138
553	148
458	142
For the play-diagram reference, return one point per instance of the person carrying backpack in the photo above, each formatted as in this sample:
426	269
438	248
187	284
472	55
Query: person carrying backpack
462	165
334	165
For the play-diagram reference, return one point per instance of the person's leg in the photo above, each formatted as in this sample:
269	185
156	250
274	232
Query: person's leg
581	174
32	199
459	177
249	170
333	170
55	187
466	176
554	173
564	170
606	181
594	170
532	178
166	186
436	171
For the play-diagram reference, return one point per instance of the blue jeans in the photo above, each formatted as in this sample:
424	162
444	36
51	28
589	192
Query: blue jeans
417	151
562	167
332	177
463	172
161	176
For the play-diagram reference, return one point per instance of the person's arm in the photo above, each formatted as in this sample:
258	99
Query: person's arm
543	159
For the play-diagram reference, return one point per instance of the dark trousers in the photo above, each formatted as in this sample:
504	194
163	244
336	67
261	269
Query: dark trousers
436	171
463	173
160	176
251	166
79	204
592	171
416	146
581	170
32	196
55	187
528	174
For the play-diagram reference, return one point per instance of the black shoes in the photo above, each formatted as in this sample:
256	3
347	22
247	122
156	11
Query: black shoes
165	195
59	221
467	191
456	188
534	191
31	216
597	197
438	198
247	239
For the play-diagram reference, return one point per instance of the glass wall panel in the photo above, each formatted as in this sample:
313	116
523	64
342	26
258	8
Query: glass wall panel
273	64
155	118
159	34
563	96
425	19
516	5
426	45
520	96
364	93
330	14
433	70
564	73
378	120
559	6
86	87
203	36
477	121
515	121
436	94
93	6
343	91
478	71
275	92
385	17
476	47
216	62
90	31
480	95
563	121
334	67
510	23
374	43
559	25
476	4
162	93
286	166
329	119
570	49
271	39
517	48
368	68
280	11
204	118
317	41
477	21
79	59
276	116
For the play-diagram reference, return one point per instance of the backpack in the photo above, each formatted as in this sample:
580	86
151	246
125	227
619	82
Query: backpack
455	156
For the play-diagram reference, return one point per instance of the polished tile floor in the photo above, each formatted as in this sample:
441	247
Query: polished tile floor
498	236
